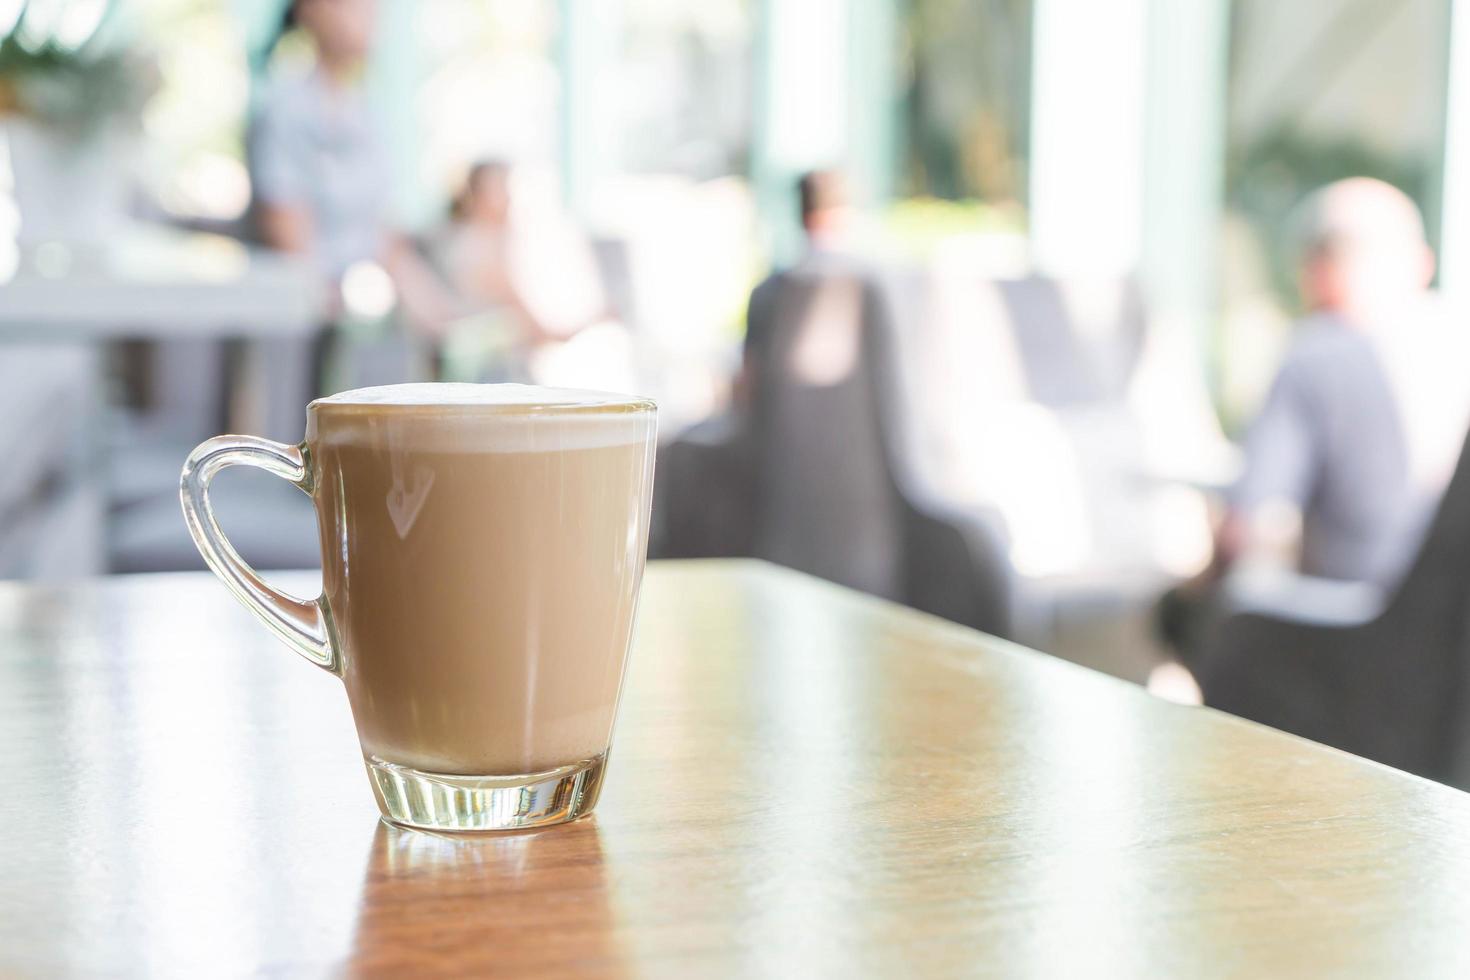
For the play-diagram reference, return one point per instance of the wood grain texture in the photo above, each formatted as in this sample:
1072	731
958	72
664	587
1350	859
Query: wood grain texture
805	782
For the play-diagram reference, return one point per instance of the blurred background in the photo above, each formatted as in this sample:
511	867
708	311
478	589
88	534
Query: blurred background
1022	312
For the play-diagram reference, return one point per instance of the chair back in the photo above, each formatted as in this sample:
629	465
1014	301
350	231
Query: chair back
1395	689
1425	630
1078	341
826	499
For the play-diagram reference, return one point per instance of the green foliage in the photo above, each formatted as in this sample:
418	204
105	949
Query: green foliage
917	225
967	98
72	88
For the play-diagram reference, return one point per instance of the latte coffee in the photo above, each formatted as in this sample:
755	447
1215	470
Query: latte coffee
482	548
481	562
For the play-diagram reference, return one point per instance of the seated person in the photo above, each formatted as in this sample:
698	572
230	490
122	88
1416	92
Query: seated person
1366	419
532	282
706	494
826	220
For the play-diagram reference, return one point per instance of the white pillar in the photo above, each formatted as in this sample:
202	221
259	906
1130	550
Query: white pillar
1087	135
801	106
588	35
874	105
1454	249
1184	162
392	85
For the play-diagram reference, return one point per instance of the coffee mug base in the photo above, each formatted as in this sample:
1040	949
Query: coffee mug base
455	803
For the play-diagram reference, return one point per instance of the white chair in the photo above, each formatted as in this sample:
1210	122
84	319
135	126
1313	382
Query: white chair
51	505
1039	398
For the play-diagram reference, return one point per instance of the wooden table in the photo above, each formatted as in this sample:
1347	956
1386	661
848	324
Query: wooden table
805	782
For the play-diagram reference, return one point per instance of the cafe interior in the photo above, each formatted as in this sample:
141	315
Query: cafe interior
1124	332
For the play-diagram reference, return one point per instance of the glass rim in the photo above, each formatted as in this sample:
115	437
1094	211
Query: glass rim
572	402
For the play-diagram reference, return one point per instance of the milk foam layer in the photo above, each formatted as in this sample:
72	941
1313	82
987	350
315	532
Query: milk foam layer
449	394
480	418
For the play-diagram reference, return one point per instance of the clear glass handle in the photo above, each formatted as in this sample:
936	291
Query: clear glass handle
304	625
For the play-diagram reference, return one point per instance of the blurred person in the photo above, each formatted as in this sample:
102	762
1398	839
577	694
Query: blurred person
706	502
828	214
827	211
528	278
474	248
320	166
1367	415
540	268
1365	421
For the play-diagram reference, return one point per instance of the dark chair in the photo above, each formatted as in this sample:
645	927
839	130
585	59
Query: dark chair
703	493
1386	683
817	476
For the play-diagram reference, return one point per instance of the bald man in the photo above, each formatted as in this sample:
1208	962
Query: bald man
1365	420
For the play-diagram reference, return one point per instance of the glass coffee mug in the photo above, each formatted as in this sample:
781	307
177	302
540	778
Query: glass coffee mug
482	549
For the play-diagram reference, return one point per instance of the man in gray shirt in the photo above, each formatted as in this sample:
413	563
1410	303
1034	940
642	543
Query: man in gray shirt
1366	418
1363	425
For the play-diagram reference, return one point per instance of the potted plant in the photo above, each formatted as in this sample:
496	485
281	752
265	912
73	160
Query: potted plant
68	116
